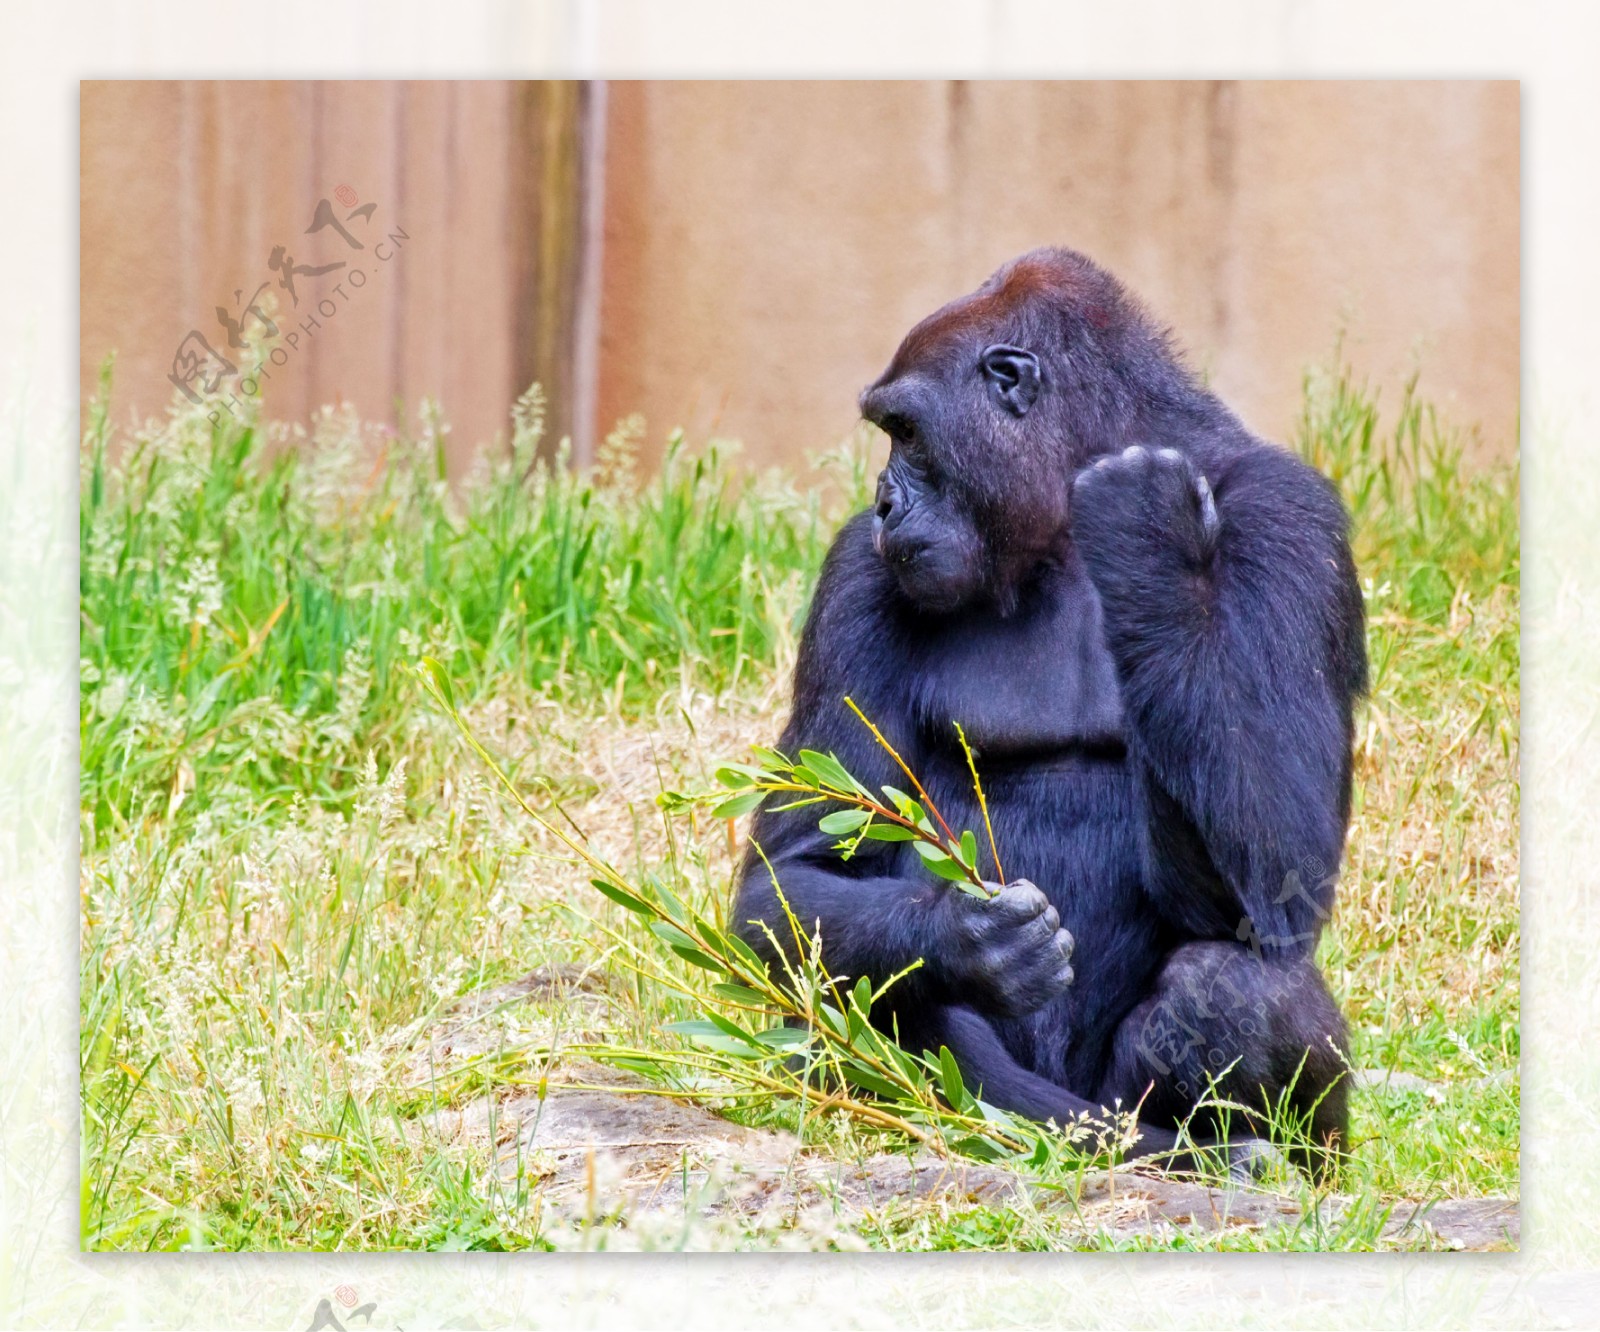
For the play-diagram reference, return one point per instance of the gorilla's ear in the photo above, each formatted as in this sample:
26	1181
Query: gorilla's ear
1012	375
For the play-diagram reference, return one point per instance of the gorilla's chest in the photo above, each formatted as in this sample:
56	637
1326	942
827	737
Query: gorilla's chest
1037	695
1030	687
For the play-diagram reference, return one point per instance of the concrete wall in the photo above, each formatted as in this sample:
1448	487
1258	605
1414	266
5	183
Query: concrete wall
765	245
186	188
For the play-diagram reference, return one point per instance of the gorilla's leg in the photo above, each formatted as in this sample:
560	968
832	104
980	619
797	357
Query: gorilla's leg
1223	1021
991	1072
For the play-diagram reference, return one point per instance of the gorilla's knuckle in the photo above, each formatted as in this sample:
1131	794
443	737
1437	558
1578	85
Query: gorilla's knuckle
1023	898
993	963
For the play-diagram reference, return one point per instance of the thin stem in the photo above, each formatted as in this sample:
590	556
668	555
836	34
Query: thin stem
983	804
927	800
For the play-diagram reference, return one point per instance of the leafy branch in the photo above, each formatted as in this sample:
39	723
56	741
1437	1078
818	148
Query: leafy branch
844	1063
815	778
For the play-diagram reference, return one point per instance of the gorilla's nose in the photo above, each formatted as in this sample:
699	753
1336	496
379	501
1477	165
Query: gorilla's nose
882	514
884	501
882	511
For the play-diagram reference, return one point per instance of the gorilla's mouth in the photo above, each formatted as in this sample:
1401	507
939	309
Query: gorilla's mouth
933	579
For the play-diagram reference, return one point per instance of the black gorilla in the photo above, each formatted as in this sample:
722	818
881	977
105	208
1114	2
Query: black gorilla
1149	625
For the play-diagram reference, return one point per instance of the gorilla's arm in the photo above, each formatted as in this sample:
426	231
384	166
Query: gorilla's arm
1234	615
881	911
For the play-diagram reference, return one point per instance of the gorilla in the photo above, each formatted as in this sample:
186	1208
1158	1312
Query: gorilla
1148	623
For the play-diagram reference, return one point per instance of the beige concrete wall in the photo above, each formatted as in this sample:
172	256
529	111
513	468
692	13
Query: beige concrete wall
765	245
187	187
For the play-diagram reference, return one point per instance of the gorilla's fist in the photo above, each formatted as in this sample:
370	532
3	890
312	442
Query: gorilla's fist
1142	503
1007	955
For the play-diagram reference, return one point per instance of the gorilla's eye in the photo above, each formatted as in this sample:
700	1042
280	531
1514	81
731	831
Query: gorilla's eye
901	429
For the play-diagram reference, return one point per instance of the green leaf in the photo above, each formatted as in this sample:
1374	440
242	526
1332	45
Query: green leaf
784	1038
889	832
940	863
955	1090
993	1114
828	769
671	935
734	806
668	900
904	803
872	1082
739	994
689	953
706	1027
979	1149
441	681
728	1045
742	952
843	821
969	850
622	897
649	1067
738	775
731	1028
769	757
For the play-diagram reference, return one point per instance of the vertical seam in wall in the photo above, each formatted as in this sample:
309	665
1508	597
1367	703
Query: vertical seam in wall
188	207
1222	147
956	105
400	92
440	353
318	113
591	250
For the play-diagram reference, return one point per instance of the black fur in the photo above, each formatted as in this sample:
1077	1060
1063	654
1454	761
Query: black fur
1148	622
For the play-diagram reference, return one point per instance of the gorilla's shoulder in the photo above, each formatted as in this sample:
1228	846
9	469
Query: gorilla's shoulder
1279	483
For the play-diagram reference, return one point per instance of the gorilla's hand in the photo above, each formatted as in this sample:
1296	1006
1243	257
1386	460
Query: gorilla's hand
1142	503
1008	955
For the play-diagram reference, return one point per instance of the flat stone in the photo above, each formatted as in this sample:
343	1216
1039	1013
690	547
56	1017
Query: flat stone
602	1145
1463	1223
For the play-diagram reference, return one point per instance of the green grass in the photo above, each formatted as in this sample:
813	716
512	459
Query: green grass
292	868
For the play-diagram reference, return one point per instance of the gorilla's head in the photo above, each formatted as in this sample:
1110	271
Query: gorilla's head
991	404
